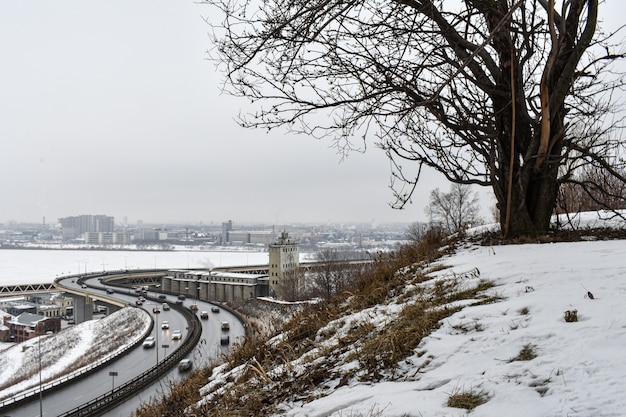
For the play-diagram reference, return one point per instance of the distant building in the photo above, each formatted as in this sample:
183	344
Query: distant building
106	238
246	237
215	285
284	257
76	226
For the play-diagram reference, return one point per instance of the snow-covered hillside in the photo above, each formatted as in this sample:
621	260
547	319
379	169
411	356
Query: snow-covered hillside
579	368
70	350
549	342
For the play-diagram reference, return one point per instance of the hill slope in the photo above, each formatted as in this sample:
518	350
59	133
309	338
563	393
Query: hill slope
578	369
505	348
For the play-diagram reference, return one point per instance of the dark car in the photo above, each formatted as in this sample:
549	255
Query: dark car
215	309
109	291
225	340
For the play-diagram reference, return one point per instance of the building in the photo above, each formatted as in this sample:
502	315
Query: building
76	226
216	286
106	238
284	257
28	325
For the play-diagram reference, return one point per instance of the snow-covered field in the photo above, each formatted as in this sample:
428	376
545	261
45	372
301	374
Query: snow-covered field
26	266
579	368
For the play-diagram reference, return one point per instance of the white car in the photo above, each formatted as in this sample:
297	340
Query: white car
149	342
184	365
165	325
177	335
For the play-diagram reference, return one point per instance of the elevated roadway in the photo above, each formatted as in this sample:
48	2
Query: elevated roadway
70	398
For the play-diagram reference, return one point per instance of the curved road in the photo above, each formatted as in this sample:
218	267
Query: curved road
138	361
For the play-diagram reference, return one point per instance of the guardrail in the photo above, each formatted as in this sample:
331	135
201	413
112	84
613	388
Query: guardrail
106	402
71	377
125	390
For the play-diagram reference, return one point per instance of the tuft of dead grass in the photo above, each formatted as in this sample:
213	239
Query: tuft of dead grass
467	400
571	316
527	353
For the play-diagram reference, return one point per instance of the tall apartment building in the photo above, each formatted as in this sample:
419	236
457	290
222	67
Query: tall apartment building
76	226
284	256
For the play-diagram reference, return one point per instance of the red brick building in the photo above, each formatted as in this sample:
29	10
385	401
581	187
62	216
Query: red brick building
28	325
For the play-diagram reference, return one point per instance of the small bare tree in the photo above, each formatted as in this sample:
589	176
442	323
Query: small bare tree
456	210
416	231
583	193
332	276
292	285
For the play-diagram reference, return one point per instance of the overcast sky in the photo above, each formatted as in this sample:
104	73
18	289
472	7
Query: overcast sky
111	107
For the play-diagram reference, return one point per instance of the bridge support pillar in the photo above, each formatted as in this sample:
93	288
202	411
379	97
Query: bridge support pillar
83	309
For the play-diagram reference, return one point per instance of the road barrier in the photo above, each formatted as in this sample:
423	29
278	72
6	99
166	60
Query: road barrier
106	402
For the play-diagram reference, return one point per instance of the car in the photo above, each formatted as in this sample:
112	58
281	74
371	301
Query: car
194	307
109	291
138	302
149	342
179	302
215	309
181	297
143	300
165	325
166	307
204	315
162	296
156	310
177	335
184	365
84	286
225	326
225	340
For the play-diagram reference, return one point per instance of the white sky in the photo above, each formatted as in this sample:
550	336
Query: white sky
112	108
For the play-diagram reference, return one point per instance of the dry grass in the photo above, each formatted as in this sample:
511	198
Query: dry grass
571	316
467	400
526	354
301	362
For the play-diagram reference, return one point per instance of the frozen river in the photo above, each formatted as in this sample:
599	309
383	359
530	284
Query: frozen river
26	266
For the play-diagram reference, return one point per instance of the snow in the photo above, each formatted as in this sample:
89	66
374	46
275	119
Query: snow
88	342
35	266
579	368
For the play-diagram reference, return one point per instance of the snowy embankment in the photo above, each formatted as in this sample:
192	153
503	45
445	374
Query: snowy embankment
578	367
72	350
533	330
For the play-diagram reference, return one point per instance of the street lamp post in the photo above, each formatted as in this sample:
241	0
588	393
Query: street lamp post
40	393
112	374
156	331
165	350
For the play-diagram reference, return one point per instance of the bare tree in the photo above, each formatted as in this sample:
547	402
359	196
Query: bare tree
416	231
509	94
582	193
333	275
456	210
292	285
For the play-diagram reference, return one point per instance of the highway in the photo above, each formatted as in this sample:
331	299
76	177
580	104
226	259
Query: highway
138	360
